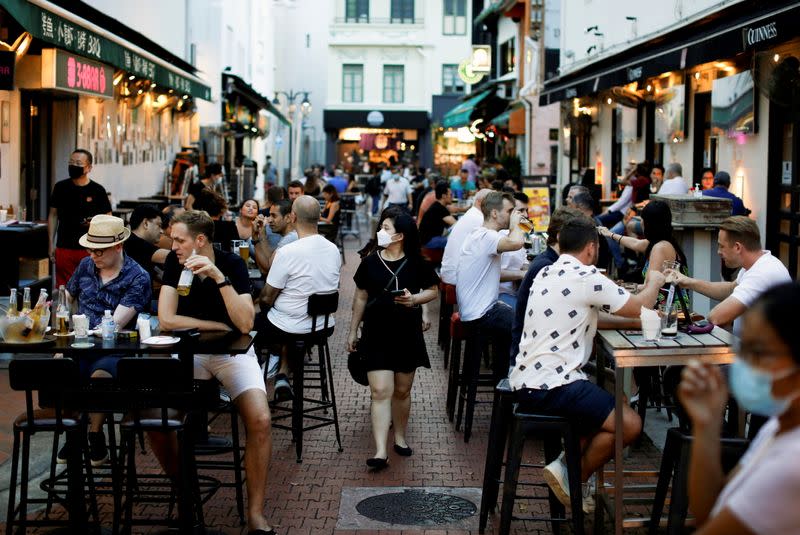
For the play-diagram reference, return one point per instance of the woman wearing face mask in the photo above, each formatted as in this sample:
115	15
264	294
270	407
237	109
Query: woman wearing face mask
392	284
761	494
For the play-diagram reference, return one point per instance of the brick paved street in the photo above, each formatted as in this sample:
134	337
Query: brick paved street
305	498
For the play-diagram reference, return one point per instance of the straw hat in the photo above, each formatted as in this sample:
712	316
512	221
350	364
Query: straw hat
105	231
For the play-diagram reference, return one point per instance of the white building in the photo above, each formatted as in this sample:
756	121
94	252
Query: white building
386	61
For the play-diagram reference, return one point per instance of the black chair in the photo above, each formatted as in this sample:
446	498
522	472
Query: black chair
154	388
496	446
675	468
552	429
322	304
471	380
53	379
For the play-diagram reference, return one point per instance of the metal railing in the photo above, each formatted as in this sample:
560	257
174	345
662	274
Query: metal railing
376	20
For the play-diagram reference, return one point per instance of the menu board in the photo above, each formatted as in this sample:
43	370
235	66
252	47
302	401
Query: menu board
538	207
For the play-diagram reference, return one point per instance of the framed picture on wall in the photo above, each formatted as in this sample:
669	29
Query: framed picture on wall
5	122
101	121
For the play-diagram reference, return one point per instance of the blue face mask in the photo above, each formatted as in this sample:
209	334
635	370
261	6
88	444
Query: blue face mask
752	389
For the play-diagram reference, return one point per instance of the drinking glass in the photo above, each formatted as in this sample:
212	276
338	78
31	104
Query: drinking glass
670	264
669	320
80	323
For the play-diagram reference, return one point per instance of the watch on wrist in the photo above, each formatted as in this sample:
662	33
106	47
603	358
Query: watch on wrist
225	282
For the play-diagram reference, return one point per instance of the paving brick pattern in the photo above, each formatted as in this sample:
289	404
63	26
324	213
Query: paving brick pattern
305	498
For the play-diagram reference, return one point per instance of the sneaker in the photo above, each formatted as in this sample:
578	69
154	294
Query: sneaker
588	490
61	456
98	452
283	390
555	475
273	365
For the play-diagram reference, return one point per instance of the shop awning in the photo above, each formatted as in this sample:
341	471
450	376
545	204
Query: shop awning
491	10
460	115
743	27
236	88
502	120
79	28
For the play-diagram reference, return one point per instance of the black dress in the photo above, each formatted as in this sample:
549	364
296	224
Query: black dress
391	337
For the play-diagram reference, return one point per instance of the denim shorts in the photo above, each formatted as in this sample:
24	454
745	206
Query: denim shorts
581	401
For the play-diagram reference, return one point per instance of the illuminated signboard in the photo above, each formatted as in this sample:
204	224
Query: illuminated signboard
7	60
68	72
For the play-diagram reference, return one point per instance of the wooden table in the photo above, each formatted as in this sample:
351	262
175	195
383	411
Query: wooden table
211	342
628	350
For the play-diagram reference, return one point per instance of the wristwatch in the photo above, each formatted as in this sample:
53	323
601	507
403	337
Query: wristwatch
225	282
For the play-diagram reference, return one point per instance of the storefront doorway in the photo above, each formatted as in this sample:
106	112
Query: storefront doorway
48	138
783	196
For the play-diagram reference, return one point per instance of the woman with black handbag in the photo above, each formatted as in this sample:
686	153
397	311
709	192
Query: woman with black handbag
393	285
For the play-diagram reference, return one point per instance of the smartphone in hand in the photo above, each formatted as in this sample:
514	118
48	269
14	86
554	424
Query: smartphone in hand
397	293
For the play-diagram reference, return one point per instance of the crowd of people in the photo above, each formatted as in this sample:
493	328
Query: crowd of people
541	316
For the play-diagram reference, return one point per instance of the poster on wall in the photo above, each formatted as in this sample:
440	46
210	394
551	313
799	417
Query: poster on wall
670	112
538	207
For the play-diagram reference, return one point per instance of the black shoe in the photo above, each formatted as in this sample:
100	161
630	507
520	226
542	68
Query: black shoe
403	452
98	452
283	390
62	455
377	463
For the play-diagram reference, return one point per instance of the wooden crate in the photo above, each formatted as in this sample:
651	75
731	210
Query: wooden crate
34	268
691	210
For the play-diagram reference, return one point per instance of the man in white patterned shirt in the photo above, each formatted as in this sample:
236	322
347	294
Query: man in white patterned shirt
565	302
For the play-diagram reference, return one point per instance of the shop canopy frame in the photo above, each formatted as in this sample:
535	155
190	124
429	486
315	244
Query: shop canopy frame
461	114
232	84
502	120
79	28
718	36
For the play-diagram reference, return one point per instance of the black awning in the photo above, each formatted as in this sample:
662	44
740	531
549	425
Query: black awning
741	28
336	119
233	86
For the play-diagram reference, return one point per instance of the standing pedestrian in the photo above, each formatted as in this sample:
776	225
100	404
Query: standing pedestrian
392	283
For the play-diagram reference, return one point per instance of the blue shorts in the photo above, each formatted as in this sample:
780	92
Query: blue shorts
107	363
583	402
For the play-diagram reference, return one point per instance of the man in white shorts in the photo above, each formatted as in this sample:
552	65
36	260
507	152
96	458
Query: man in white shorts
219	300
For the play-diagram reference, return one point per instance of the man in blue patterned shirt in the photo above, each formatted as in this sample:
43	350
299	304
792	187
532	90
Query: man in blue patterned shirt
106	280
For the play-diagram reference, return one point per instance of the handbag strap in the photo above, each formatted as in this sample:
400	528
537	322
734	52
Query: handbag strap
391	281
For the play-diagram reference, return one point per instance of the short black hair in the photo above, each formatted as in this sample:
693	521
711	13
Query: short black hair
284	206
521	197
213	169
141	213
295	184
576	233
274	194
441	189
86	153
659	167
583	200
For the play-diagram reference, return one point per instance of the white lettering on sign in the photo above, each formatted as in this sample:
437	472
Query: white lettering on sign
634	73
94	46
66	34
47	25
81	43
758	34
570	92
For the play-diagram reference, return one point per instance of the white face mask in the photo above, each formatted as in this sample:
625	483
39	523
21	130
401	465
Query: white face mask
384	238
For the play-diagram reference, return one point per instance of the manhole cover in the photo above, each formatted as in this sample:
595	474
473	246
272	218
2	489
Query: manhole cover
416	508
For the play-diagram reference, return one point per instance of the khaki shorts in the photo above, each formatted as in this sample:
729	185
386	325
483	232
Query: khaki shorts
237	373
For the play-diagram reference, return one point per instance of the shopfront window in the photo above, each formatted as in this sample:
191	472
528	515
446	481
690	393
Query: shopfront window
402	12
455	17
393	82
356	10
451	81
352	83
508	57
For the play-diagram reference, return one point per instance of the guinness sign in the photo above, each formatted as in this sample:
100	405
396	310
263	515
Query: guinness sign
751	36
570	92
634	73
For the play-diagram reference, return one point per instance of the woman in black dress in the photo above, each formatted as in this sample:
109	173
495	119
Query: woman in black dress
392	285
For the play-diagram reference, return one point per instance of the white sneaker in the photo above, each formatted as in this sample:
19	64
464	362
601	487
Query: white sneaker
555	475
588	490
273	365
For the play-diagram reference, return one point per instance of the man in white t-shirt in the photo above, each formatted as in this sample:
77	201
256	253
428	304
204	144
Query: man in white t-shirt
674	184
739	245
398	192
306	266
512	263
478	274
468	222
566	299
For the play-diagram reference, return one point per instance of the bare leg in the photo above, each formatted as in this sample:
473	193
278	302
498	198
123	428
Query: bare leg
600	448
381	384
401	406
165	448
254	409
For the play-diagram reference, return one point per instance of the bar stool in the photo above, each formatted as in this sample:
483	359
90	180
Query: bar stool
552	429
456	333
675	468
51	378
498	432
447	302
471	380
321	304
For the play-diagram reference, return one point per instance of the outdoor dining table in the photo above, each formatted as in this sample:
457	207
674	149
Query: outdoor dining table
86	400
627	350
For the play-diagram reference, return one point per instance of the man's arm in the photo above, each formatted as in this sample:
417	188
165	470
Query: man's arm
508	275
170	320
727	311
449	220
646	298
265	254
269	295
123	315
160	256
515	239
717	291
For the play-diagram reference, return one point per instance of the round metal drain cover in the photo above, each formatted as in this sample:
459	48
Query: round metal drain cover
416	508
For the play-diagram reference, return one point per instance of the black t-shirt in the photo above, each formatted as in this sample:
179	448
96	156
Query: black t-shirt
195	188
205	301
432	223
372	276
76	205
224	233
142	252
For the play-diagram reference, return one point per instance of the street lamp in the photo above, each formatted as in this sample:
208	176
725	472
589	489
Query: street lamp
305	109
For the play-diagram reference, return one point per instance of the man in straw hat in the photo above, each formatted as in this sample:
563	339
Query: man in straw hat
106	280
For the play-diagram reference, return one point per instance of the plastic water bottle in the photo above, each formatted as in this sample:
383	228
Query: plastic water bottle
107	326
